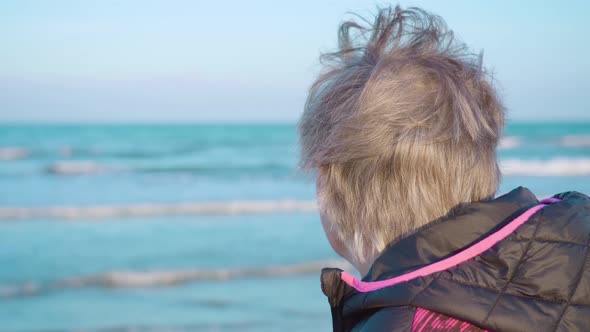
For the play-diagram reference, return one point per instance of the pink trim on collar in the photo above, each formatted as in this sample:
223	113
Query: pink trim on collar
447	263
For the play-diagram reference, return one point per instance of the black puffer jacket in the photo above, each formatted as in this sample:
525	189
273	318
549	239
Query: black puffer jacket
536	279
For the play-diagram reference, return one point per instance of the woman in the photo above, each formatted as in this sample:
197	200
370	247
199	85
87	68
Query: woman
402	127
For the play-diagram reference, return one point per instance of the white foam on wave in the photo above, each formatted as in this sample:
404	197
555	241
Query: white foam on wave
13	153
148	279
76	168
509	142
150	210
551	167
575	141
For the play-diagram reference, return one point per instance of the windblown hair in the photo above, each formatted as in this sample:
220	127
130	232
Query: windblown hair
403	124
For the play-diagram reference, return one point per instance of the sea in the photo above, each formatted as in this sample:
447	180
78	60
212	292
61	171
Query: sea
192	227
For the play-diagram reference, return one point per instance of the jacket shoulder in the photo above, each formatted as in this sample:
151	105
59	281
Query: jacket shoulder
566	221
574	197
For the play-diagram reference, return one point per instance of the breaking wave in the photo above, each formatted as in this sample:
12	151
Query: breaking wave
151	279
77	168
575	141
13	153
551	167
509	142
150	210
260	168
91	167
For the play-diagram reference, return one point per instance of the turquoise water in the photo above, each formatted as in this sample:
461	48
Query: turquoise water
190	227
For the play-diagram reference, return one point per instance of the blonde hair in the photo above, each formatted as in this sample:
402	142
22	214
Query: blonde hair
403	123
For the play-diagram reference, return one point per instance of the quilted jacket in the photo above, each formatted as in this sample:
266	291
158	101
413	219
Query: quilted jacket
507	264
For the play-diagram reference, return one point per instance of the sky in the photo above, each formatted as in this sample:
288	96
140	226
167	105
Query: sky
253	61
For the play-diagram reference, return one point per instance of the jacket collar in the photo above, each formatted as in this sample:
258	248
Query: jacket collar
441	239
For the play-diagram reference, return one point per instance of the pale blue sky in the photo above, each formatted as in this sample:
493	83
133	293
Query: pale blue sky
204	61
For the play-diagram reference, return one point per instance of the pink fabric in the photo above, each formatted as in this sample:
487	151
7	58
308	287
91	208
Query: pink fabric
425	320
550	200
447	263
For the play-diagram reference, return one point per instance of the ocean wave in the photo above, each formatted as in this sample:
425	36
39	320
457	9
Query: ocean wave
575	141
91	167
550	167
509	142
13	153
245	325
116	152
130	153
261	168
77	168
152	279
151	210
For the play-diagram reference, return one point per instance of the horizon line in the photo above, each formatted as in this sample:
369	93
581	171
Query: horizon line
241	122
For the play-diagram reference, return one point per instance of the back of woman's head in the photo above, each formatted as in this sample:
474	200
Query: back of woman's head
403	125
